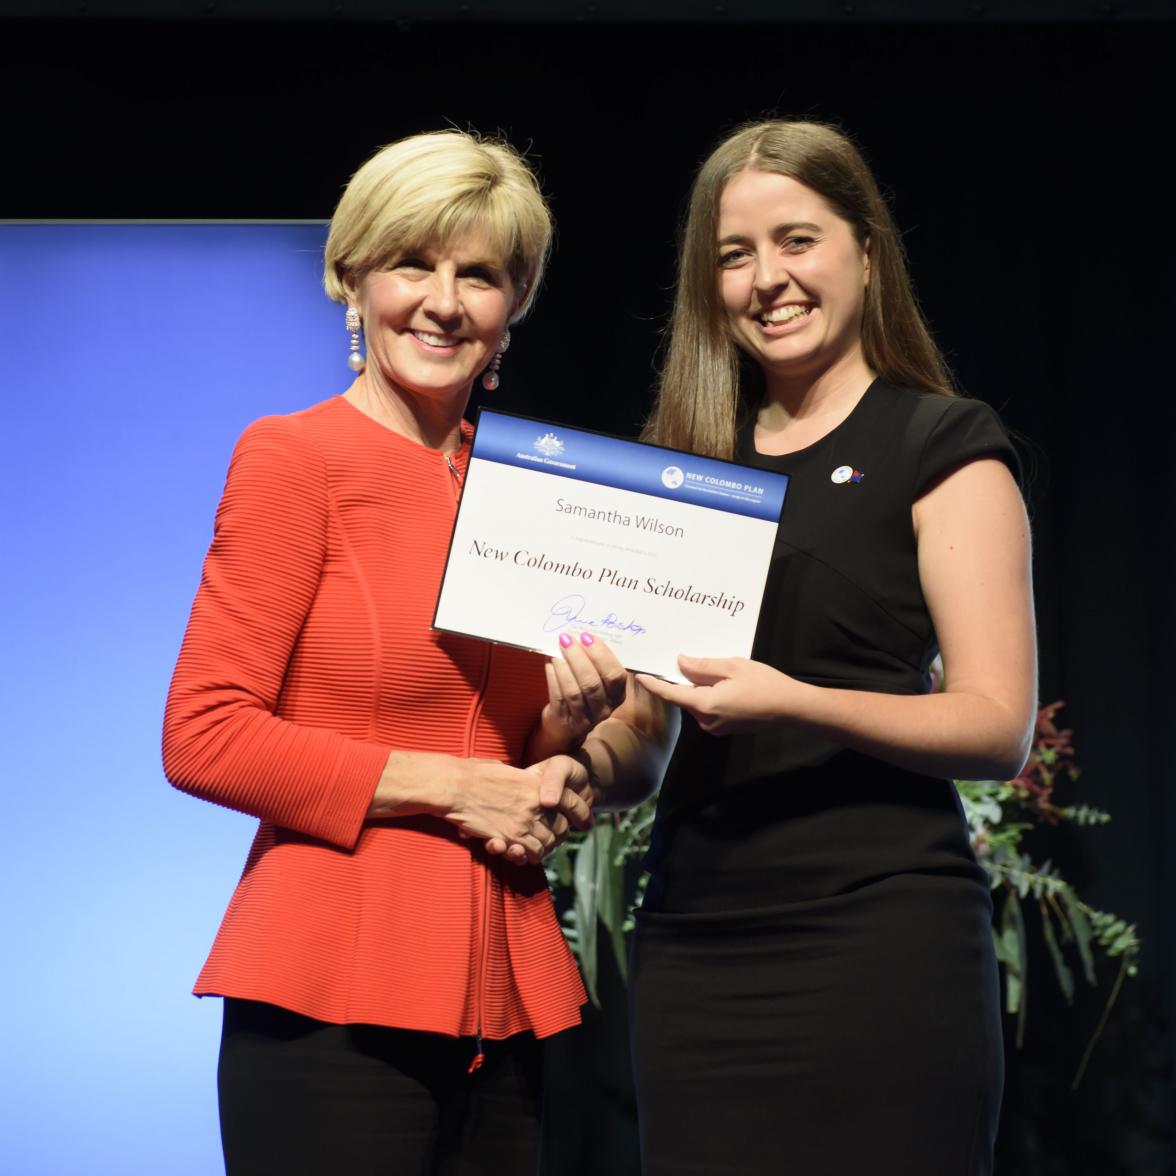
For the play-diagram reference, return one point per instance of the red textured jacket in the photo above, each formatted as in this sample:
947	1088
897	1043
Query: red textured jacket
308	657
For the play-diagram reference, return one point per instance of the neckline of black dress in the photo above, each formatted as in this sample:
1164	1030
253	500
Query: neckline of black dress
747	449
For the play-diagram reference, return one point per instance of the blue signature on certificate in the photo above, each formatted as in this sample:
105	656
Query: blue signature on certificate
569	610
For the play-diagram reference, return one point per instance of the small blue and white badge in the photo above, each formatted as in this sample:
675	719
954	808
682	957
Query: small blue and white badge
843	474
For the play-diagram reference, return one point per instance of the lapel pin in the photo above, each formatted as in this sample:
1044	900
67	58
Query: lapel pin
844	474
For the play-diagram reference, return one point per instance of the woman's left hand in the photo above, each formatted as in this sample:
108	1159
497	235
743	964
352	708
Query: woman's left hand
584	687
731	695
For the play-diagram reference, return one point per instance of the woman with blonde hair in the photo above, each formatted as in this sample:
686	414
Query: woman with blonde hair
814	986
390	954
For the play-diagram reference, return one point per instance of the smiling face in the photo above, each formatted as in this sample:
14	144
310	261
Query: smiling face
433	318
792	277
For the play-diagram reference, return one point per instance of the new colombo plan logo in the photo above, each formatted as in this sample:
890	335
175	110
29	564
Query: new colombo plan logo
672	477
549	445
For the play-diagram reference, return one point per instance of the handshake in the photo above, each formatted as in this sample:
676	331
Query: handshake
562	796
524	813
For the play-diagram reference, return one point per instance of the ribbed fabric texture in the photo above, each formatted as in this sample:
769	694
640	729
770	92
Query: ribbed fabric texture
308	657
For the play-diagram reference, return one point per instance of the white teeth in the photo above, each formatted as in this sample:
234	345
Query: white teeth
435	340
784	314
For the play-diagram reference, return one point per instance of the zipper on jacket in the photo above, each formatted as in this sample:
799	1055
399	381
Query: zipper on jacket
479	1057
484	936
456	482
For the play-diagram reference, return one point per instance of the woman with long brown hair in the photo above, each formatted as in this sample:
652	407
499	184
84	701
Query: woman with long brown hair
814	987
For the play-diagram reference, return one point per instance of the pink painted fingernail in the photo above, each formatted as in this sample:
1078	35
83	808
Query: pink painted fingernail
564	640
586	639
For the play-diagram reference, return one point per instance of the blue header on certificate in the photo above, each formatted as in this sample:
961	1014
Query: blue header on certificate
629	465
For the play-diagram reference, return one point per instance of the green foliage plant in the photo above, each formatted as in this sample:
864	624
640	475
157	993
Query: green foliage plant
597	883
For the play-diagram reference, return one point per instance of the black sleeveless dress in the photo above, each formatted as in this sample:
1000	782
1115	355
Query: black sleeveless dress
813	983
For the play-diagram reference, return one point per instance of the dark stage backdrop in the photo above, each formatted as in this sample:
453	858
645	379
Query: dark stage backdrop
1029	167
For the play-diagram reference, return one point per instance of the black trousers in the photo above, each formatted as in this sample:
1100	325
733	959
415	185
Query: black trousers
302	1098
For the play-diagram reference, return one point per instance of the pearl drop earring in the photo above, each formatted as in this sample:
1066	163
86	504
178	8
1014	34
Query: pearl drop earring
355	361
490	376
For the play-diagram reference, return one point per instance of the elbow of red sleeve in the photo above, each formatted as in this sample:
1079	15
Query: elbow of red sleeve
180	761
193	744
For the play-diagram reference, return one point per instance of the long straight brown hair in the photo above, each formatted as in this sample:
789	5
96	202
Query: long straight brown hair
706	382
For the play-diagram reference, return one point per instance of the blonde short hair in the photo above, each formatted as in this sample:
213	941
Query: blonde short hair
430	189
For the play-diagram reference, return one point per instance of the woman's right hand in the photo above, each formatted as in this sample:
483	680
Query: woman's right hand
485	798
500	805
566	797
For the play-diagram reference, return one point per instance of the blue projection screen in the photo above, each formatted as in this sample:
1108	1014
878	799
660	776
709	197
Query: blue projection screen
131	357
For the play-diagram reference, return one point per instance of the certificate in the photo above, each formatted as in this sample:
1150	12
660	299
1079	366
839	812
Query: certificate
565	531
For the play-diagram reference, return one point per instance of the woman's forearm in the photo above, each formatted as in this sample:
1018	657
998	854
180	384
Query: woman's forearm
959	734
979	728
416	782
548	739
626	755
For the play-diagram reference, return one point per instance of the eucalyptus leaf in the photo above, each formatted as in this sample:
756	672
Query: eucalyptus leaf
1024	878
1067	933
1016	968
584	878
1013	993
1005	944
1080	925
610	889
988	810
560	863
1061	968
1122	943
